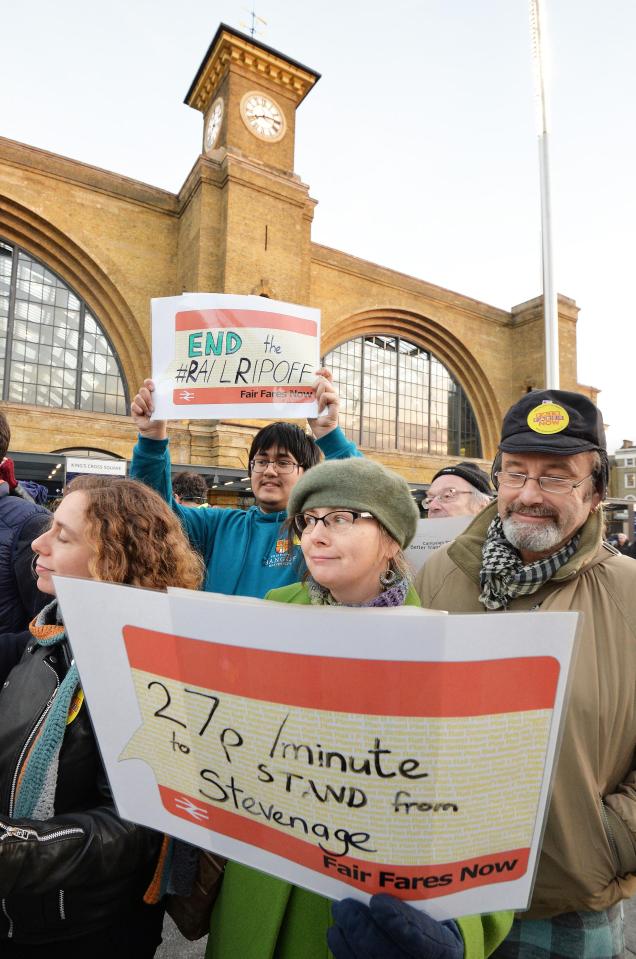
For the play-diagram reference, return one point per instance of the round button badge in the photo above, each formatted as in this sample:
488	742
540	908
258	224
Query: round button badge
548	418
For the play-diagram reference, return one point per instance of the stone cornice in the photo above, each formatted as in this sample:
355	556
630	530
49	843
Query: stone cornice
532	310
230	48
246	170
57	167
393	279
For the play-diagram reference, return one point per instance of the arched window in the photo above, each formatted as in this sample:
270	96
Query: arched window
53	351
395	395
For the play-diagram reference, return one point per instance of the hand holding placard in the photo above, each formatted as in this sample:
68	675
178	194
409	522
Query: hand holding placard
328	404
142	408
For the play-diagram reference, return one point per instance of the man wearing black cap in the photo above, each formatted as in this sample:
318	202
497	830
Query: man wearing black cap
460	490
540	547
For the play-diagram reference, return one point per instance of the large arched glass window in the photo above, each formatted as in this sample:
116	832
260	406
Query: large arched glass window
53	352
395	395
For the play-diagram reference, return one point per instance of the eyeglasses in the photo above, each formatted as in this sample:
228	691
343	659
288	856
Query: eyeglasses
337	521
260	463
549	484
446	496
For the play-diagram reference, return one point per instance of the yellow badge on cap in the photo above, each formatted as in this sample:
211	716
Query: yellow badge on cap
548	418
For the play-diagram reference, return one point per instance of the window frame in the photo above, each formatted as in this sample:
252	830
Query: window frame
84	311
463	413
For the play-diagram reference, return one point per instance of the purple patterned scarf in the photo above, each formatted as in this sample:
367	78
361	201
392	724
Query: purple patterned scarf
392	596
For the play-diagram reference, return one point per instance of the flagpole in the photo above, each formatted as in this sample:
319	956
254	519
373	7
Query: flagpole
550	305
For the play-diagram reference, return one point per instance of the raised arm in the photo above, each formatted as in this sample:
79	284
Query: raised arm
142	408
151	457
330	438
151	464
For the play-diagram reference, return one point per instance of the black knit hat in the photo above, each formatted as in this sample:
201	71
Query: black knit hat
471	473
553	421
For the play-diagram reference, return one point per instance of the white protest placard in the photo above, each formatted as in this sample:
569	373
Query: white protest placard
217	355
348	751
431	534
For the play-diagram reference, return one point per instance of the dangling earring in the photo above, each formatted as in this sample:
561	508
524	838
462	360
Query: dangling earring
389	577
34	563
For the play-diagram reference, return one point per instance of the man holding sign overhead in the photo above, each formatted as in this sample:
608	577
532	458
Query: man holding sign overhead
246	552
218	355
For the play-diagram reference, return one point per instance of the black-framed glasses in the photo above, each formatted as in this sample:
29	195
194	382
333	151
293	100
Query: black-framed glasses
283	465
337	521
446	496
549	484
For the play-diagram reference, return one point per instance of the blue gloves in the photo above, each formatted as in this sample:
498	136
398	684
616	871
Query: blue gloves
390	929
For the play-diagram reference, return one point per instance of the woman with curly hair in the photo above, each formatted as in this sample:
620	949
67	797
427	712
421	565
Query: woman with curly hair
72	873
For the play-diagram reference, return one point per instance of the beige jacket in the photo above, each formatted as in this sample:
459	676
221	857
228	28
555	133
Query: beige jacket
588	859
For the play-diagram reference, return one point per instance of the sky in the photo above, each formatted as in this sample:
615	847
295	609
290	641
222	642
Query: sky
419	141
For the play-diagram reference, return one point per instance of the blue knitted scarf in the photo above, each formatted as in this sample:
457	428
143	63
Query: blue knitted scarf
38	776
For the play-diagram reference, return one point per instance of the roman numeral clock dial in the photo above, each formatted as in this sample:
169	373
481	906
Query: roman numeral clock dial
214	124
262	116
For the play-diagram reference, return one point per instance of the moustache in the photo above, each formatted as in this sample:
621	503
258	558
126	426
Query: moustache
521	510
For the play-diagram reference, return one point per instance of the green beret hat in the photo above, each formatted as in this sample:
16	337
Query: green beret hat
362	485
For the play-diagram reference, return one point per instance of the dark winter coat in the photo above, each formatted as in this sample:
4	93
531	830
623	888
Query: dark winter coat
21	521
85	869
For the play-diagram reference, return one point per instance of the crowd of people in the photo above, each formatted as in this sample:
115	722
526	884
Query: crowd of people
328	527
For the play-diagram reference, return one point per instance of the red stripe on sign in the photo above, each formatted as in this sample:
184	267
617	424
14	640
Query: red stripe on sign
241	320
245	395
405	882
371	687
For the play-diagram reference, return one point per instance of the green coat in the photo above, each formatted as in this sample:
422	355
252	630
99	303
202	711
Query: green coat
260	917
298	593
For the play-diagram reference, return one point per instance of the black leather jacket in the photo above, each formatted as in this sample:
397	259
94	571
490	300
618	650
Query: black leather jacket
85	868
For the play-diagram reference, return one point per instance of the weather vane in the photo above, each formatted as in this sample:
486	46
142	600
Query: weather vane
257	22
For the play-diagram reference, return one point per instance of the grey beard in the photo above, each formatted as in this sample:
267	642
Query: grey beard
534	539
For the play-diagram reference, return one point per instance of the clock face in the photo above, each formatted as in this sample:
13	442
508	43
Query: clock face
262	116
214	123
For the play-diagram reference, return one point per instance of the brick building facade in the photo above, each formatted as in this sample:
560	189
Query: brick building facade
241	223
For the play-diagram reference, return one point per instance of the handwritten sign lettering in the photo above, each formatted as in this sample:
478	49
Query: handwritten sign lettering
422	774
220	355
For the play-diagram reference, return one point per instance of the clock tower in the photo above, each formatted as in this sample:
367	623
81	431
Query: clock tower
249	217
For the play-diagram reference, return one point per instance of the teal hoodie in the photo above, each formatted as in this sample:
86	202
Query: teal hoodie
245	551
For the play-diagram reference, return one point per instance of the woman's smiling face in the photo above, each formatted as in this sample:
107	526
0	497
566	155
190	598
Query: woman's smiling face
349	559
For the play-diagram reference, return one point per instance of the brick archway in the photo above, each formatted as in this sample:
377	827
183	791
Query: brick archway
56	251
429	335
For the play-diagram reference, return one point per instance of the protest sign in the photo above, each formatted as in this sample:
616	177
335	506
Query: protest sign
348	751
216	355
431	534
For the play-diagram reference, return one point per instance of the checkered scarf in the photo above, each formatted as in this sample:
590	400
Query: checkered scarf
503	575
572	935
